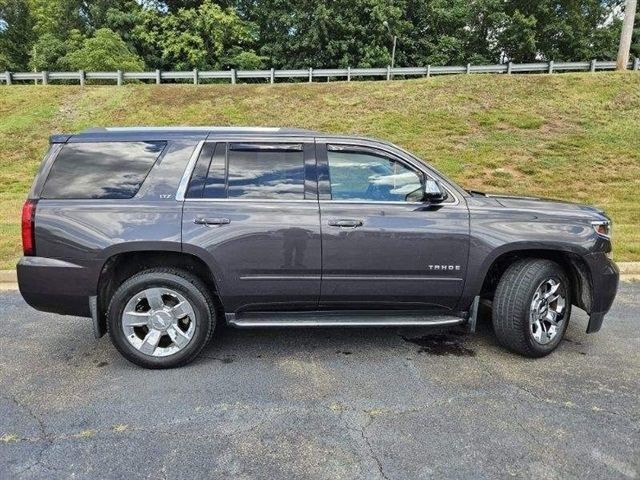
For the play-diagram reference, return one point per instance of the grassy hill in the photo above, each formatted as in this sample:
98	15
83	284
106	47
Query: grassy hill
570	136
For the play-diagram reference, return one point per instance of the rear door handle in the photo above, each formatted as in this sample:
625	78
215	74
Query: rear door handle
212	221
345	223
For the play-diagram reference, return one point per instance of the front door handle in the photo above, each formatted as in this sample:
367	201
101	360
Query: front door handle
345	223
212	221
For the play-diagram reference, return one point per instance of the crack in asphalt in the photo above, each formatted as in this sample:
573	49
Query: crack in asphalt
44	436
360	431
372	453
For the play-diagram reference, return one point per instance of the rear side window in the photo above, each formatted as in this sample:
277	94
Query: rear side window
249	171
266	171
106	170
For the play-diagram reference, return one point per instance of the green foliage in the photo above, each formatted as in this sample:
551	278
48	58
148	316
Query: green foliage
47	53
105	51
192	37
15	34
212	34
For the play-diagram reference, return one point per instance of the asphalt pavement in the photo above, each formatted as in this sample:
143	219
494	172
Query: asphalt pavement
328	403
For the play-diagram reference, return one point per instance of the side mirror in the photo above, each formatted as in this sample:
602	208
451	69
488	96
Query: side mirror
433	192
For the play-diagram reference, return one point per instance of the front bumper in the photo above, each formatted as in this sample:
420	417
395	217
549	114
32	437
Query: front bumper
604	286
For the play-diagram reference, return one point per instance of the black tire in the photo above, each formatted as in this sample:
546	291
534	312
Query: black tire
189	286
512	305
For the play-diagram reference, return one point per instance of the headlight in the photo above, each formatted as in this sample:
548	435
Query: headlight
602	228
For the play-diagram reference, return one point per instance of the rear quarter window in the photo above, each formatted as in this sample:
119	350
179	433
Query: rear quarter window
103	170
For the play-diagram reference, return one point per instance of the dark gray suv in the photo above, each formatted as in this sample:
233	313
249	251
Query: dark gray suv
160	234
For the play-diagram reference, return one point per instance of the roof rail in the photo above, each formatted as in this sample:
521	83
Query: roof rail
213	129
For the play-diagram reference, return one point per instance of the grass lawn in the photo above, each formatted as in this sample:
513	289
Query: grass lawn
569	136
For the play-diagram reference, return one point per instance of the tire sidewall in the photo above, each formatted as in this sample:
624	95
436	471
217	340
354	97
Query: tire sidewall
550	272
204	319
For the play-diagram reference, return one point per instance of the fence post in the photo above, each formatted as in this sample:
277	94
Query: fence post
83	77
509	68
234	76
550	66
7	77
158	77
636	63
196	76
348	74
272	76
468	68
429	71
592	66
45	77
310	74
388	72
120	78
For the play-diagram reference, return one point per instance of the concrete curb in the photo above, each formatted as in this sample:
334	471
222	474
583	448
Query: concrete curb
629	272
8	280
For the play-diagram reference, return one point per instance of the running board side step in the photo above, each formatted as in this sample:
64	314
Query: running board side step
342	319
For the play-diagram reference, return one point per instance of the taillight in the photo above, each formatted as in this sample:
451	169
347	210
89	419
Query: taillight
28	228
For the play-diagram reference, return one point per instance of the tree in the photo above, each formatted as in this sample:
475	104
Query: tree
47	53
105	51
635	44
16	26
193	38
564	29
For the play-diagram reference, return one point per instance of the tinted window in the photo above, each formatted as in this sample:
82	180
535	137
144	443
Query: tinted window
265	171
369	177
101	170
216	176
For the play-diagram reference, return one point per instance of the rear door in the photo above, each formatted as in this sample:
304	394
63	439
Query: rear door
251	210
381	249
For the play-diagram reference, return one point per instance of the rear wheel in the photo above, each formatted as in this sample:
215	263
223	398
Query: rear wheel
161	318
531	307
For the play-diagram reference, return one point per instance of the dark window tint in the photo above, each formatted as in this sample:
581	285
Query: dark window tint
368	177
199	175
101	170
265	171
215	186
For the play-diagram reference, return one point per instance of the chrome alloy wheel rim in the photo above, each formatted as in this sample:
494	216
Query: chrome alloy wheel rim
547	311
158	322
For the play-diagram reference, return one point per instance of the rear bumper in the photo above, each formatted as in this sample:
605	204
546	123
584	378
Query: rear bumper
56	286
604	278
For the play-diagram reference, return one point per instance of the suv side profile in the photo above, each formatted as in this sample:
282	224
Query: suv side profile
160	234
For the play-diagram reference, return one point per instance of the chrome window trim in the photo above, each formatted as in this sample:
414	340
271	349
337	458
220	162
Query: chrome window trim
188	171
387	202
374	144
252	200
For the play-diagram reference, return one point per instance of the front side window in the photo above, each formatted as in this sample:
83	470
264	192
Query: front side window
364	176
105	170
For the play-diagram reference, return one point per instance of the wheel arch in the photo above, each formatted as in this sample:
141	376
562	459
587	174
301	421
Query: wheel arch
122	265
572	263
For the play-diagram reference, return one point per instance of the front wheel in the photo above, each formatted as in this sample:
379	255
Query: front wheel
161	318
531	307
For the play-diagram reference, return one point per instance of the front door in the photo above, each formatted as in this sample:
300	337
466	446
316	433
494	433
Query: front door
251	210
380	247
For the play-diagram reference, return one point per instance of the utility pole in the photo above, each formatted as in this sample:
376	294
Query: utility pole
393	48
393	51
625	36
